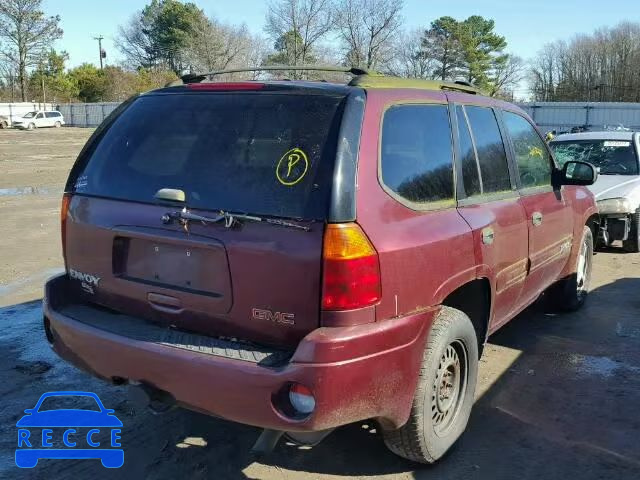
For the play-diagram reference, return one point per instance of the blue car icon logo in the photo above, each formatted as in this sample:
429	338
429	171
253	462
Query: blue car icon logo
69	433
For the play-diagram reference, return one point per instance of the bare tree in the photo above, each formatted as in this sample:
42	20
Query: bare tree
255	54
298	25
8	80
135	43
409	59
366	29
603	66
27	33
506	76
216	46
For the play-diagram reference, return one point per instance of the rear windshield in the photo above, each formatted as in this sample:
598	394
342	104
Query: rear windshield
614	157
262	153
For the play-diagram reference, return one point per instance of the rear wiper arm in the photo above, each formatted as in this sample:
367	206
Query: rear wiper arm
184	216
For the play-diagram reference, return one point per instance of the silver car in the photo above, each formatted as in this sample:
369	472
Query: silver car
617	190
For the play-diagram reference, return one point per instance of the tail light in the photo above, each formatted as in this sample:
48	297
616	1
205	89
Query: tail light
64	210
351	271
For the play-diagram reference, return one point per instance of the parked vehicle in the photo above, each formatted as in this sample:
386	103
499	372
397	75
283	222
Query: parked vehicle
4	121
39	119
617	191
301	255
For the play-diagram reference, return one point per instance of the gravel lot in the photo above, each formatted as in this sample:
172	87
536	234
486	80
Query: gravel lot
558	396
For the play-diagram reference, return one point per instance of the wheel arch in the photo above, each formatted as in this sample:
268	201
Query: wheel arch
474	298
593	222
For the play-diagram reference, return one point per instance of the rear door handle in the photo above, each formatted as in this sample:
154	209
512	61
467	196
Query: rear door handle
488	236
536	218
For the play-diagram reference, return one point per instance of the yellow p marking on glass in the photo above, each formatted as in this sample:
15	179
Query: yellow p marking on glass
290	160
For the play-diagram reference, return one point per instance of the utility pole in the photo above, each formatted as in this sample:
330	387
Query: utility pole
44	95
100	53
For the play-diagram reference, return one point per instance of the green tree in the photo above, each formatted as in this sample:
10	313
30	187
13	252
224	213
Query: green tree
28	34
288	48
90	81
157	36
442	42
50	81
469	49
482	49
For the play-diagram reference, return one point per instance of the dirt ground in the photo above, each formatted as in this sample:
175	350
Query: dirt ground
558	396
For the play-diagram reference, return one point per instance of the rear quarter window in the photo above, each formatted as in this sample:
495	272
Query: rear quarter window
416	154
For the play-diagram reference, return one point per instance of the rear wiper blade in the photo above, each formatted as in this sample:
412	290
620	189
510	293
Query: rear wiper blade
184	216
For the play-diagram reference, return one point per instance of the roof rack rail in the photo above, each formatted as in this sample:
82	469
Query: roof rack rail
199	77
382	81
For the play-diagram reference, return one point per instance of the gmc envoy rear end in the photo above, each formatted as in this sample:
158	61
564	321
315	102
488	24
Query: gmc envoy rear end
301	255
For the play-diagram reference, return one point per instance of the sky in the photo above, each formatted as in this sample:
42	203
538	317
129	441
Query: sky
526	24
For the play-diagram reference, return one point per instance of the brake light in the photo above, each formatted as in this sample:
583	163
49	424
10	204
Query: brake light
351	272
64	210
226	86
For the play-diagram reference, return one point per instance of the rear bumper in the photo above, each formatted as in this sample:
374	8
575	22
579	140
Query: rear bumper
355	373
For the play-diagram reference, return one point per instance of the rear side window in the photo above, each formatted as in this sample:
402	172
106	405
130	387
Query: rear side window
261	153
532	156
492	156
470	174
417	158
52	114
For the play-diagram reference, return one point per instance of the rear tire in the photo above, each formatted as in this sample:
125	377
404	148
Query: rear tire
445	391
57	124
569	294
632	243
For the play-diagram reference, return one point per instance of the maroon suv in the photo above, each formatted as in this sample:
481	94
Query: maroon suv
301	255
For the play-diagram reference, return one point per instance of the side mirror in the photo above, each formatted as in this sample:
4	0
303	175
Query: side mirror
577	173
